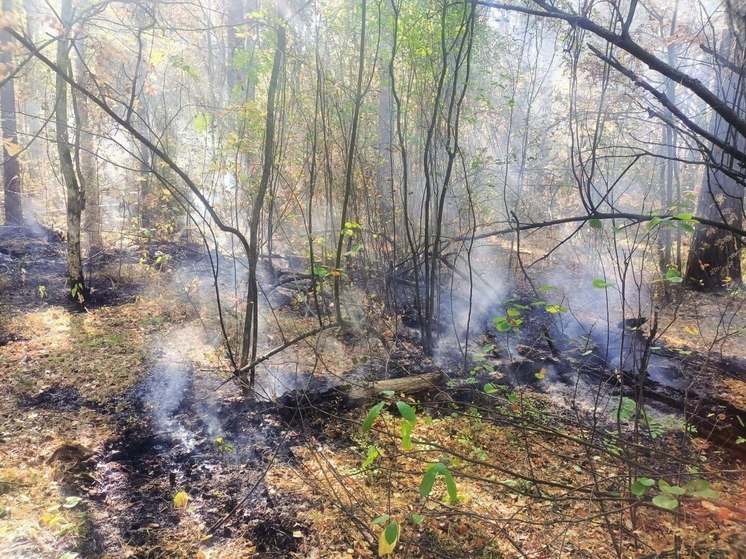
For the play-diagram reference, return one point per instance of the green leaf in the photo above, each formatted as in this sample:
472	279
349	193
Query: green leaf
673	275
488	348
646	481
653	222
373	453
387	393
665	502
450	486
686	226
354	249
406	435
202	122
392	532
489	388
502	326
417	519
638	489
371	417
380	519
685	216
600	283
428	480
595	223
406	411
320	271
512	398
670	489
700	488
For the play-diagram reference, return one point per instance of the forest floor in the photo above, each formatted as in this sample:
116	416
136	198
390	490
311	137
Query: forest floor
120	437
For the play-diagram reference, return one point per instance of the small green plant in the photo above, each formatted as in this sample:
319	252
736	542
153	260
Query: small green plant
610	444
373	453
513	318
673	275
668	496
77	292
480	361
161	259
390	535
627	410
433	472
223	446
321	272
551	308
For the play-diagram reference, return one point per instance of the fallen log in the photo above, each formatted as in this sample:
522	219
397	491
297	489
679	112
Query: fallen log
351	395
414	385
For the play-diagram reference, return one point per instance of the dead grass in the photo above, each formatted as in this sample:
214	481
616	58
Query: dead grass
494	505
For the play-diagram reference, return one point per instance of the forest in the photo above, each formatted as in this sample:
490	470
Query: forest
367	278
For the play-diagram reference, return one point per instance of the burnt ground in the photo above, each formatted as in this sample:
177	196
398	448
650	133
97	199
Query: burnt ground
218	448
142	467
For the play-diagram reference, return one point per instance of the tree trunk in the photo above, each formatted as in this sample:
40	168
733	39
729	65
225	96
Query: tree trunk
349	166
11	168
249	337
714	257
75	200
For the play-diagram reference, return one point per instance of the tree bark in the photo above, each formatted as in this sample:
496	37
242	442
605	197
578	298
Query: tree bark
11	168
714	257
75	201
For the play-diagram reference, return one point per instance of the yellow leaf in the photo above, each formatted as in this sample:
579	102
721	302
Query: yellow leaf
542	373
388	539
12	148
691	330
180	500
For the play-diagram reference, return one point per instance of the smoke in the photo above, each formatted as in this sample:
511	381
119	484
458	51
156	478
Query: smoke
469	302
170	388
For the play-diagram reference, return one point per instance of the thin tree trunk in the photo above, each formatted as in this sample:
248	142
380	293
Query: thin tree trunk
11	168
349	165
251	322
75	202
